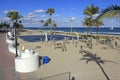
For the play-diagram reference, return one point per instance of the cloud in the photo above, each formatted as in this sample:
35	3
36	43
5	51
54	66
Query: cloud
5	19
30	13
31	16
34	14
25	18
96	15
6	11
39	11
73	18
42	16
56	15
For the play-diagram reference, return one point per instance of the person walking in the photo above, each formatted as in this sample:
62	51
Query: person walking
116	44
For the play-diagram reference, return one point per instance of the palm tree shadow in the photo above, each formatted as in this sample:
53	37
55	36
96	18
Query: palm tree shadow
88	56
37	47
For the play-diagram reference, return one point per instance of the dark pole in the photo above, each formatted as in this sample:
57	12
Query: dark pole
91	37
16	42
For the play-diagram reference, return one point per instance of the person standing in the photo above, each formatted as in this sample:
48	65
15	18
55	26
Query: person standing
116	44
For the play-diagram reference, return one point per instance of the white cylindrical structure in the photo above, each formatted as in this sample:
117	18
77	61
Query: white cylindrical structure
27	53
27	62
13	50
8	40
46	38
77	35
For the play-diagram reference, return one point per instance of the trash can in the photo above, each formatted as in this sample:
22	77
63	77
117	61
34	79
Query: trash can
46	60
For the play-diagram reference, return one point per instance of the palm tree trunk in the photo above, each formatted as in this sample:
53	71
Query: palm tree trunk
97	33
51	28
16	42
91	37
87	31
103	71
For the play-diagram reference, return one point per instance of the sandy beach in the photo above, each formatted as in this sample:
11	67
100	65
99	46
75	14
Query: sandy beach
69	60
60	40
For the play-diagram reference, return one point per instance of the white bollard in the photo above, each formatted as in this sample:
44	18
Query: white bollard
27	62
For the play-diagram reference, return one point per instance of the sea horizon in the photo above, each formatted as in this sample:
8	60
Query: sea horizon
101	30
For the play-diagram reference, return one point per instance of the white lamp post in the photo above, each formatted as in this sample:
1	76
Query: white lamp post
72	18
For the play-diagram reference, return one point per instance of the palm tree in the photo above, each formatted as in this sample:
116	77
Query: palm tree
42	21
93	57
20	26
15	17
50	11
54	25
5	25
98	23
87	22
91	11
110	11
1	27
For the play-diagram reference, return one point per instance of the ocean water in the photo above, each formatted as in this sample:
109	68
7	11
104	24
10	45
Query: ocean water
37	38
105	30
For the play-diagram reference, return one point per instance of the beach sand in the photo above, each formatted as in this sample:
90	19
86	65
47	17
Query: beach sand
69	61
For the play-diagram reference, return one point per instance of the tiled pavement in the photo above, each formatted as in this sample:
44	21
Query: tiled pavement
7	69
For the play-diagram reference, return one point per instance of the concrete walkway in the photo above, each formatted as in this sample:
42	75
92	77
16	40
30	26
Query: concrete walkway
7	69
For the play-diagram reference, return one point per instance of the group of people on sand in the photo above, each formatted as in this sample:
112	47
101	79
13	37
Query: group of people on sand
61	45
112	42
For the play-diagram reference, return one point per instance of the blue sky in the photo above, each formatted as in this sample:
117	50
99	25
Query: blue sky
34	11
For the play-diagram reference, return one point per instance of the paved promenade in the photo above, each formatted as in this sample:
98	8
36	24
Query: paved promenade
7	69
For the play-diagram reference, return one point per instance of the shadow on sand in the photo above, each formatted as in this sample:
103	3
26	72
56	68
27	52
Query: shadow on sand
88	56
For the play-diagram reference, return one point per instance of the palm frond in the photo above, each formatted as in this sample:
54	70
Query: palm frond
83	58
50	11
91	10
109	61
101	61
88	60
109	12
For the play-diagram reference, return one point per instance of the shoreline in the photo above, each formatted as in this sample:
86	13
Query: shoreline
36	32
102	30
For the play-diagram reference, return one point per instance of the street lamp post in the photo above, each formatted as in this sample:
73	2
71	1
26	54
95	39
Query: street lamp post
71	26
71	22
